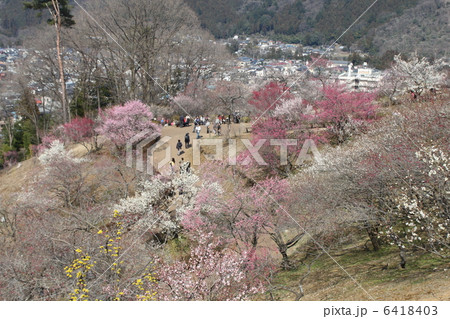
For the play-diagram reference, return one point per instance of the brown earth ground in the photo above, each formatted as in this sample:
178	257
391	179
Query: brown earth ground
175	133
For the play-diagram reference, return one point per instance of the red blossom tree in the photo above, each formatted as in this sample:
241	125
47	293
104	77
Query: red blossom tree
269	97
282	141
82	131
320	70
345	112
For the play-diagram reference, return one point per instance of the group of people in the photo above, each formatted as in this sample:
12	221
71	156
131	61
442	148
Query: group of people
167	122
202	120
187	143
198	122
185	166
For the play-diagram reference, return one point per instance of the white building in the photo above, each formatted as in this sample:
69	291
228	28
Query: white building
362	78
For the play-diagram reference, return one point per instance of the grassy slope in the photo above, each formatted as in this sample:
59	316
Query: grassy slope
426	277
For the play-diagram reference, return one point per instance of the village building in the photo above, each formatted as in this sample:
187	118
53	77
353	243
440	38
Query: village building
361	78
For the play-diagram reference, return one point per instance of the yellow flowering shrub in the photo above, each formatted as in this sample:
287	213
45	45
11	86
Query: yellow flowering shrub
139	289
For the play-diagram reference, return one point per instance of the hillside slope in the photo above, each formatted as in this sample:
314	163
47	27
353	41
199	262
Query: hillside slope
424	28
425	277
13	19
382	28
378	273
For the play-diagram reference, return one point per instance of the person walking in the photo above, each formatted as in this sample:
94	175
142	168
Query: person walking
198	128
179	147
207	126
187	141
185	167
172	166
181	164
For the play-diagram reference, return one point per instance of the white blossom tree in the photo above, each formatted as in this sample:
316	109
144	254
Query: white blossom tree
160	203
293	109
422	215
393	181
419	74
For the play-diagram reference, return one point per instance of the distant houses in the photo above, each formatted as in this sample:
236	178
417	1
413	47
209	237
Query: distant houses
290	62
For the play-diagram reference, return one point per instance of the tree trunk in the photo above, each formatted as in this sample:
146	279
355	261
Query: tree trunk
282	248
255	239
286	263
402	258
58	25
372	231
10	129
99	105
38	137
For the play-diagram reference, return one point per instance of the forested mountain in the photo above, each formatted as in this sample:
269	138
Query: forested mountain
314	22
424	28
403	25
13	17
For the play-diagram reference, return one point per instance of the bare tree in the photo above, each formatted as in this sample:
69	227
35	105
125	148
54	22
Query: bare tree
60	17
230	97
147	49
298	292
39	72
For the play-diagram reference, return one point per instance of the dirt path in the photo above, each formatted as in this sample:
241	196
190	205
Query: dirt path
177	133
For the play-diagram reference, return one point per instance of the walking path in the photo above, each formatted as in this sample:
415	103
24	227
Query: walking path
178	133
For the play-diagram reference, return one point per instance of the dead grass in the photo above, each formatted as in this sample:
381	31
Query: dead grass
426	277
13	179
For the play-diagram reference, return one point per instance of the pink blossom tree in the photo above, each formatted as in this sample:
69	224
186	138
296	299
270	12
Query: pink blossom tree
251	212
268	212
10	158
122	122
185	104
211	272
